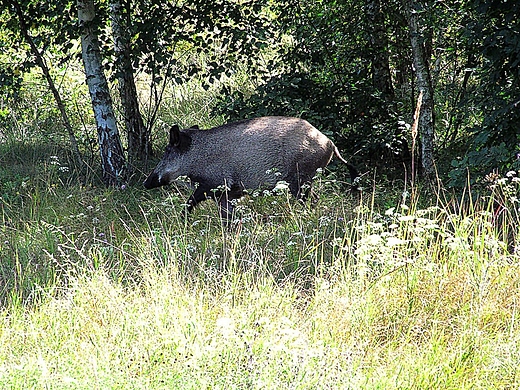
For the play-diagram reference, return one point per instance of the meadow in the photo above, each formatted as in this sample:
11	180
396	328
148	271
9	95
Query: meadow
397	288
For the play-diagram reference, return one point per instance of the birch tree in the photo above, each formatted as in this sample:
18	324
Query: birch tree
423	81
111	150
139	147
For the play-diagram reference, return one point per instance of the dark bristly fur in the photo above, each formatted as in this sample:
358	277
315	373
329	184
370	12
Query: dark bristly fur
250	154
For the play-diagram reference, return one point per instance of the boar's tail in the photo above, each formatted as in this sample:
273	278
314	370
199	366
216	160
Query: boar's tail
354	174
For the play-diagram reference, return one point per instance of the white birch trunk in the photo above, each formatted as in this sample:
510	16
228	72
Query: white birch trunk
111	151
422	72
139	147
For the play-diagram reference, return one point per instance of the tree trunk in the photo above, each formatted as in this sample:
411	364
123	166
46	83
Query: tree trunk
424	85
381	78
24	29
139	147
112	157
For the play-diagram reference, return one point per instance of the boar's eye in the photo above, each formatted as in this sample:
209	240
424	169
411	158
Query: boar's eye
169	150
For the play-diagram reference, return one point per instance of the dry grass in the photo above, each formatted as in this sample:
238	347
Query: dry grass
127	295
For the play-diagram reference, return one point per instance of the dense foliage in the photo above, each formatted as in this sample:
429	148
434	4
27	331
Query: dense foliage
323	73
327	74
492	35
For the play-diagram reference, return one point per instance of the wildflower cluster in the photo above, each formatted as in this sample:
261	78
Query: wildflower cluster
396	238
506	191
55	161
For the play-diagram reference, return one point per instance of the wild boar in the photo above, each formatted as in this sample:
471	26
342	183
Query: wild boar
228	160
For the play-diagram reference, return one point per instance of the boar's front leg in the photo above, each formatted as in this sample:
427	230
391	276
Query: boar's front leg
199	195
226	202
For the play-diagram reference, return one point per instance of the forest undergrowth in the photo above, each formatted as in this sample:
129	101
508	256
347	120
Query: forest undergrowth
112	288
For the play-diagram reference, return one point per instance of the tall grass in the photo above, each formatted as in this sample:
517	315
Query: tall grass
112	289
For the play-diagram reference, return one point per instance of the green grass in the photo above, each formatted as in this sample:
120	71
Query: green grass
112	289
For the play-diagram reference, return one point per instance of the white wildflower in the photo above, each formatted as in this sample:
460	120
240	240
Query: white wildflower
394	241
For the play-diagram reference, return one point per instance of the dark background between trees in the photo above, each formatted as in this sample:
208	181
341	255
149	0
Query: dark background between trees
354	69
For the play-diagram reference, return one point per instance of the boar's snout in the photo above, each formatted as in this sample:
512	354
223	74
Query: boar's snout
152	181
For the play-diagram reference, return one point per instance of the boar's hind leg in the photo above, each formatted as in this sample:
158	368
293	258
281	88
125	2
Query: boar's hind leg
225	207
301	189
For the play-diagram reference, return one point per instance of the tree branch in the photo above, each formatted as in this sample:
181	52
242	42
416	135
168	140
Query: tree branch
40	60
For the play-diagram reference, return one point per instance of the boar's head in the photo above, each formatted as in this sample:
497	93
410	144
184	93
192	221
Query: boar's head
171	165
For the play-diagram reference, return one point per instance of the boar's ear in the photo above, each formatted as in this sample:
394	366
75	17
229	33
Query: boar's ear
175	136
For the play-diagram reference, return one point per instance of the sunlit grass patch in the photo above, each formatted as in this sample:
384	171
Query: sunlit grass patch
239	330
115	289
